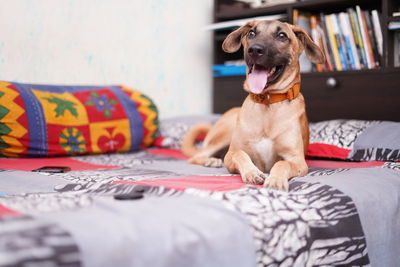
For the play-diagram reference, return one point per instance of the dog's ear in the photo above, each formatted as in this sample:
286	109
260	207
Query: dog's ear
313	51
233	41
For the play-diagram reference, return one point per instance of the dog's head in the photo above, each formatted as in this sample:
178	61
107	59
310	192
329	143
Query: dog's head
271	52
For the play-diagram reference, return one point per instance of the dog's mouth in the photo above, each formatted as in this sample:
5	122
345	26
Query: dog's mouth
259	77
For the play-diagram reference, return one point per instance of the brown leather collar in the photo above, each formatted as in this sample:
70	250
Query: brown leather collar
268	98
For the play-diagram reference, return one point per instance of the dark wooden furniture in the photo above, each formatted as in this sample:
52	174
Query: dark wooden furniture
363	94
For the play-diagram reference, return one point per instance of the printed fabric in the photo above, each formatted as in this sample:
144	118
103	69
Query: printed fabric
46	120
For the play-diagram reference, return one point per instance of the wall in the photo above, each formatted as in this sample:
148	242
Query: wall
155	46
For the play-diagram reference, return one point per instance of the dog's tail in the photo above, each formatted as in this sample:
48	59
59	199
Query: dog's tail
189	140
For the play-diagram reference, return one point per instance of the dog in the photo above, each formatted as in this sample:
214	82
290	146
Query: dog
269	133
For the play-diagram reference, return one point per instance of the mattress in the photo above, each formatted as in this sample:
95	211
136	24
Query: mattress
152	208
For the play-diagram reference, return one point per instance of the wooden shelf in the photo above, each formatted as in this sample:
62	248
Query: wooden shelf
349	72
332	6
327	74
310	5
359	94
254	12
341	73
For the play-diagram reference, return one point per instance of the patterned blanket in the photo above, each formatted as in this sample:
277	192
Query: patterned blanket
152	208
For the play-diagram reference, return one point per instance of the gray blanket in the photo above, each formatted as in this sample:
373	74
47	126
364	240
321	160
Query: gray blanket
330	217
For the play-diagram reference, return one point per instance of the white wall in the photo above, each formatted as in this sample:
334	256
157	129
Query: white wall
156	46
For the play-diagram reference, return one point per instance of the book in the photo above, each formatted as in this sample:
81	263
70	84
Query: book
396	49
364	36
378	31
317	38
329	63
368	40
332	42
394	25
357	37
295	16
355	50
302	20
341	46
228	70
372	38
349	39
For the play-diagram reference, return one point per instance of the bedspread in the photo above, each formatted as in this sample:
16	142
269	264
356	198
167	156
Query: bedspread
152	208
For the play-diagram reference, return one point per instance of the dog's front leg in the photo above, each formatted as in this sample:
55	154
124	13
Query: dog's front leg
238	161
283	170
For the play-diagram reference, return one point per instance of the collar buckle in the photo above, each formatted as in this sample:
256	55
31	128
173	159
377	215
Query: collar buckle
268	97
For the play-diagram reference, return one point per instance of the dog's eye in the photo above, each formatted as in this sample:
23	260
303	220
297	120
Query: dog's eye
251	34
282	35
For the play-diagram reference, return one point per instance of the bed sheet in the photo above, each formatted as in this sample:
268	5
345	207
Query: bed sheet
152	208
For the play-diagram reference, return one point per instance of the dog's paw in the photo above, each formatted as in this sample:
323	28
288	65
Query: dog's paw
277	183
254	177
213	162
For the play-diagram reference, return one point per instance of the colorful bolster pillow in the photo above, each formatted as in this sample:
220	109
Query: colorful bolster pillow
47	120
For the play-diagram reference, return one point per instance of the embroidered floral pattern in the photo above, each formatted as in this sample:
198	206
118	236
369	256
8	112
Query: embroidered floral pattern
62	105
72	140
102	103
112	141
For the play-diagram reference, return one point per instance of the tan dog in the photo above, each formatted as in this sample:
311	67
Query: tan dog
269	133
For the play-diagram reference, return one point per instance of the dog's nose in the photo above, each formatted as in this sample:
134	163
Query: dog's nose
256	51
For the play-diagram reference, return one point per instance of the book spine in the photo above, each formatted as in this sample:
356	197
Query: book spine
394	25
347	39
295	16
315	34
372	37
327	48
339	42
303	21
397	49
332	41
364	37
368	39
357	37
378	31
355	50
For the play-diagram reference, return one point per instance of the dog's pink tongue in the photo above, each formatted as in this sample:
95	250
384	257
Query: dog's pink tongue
257	80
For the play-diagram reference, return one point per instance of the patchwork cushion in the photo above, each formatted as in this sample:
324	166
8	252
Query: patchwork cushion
47	120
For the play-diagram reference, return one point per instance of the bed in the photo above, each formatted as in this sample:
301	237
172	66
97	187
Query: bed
140	203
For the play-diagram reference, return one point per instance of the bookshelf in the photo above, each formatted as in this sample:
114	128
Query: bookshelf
329	94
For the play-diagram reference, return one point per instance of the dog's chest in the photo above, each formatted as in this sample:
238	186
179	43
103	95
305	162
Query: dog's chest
265	153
